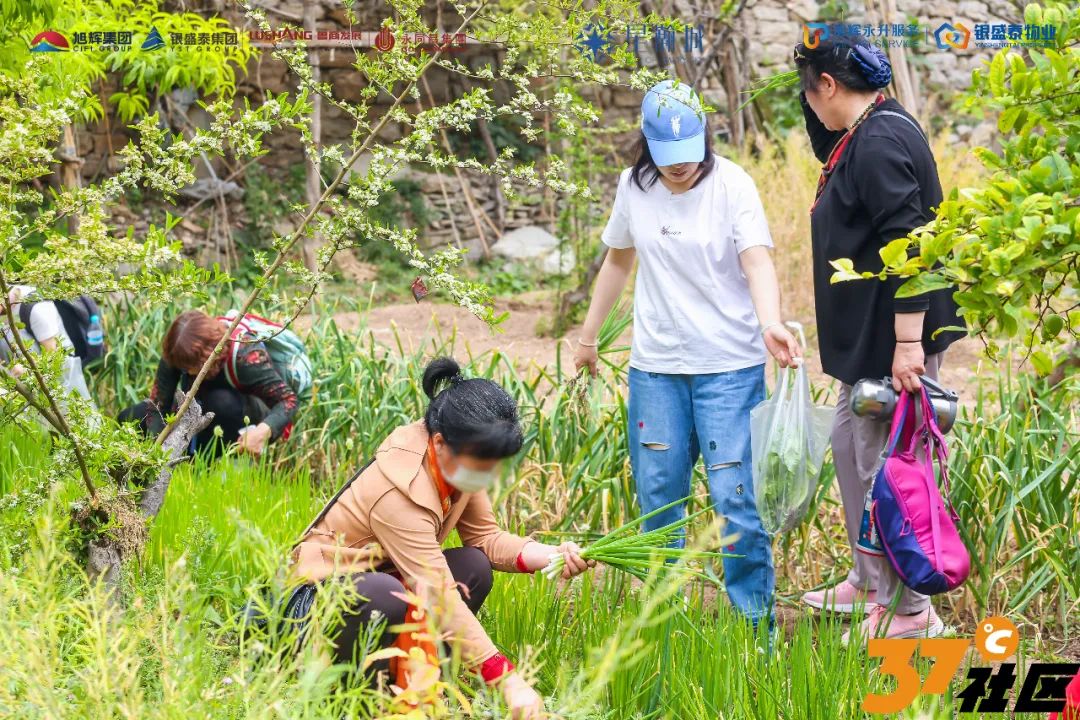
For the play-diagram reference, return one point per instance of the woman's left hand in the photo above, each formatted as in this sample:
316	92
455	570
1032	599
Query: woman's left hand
782	345
575	564
908	364
254	440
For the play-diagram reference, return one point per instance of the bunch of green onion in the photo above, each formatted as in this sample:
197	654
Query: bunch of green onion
638	553
581	400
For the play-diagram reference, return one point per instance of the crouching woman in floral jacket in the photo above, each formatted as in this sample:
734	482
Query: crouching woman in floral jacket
383	532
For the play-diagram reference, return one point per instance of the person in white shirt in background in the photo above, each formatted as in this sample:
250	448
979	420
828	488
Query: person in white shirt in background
46	332
706	308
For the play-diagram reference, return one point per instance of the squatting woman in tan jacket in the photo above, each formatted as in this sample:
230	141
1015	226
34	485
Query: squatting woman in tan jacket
384	531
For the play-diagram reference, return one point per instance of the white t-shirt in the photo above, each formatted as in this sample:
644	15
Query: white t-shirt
45	323
692	308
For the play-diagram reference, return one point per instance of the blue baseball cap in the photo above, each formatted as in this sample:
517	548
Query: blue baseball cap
673	123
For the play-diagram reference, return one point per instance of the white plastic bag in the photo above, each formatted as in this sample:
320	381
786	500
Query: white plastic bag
788	437
74	381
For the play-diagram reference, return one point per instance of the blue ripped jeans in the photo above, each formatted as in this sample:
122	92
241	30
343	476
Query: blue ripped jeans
672	419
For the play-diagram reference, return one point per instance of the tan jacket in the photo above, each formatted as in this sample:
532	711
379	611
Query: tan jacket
391	514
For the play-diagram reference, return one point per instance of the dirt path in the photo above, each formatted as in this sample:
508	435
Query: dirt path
416	325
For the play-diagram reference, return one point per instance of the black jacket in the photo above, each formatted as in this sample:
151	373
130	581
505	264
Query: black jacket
885	185
257	375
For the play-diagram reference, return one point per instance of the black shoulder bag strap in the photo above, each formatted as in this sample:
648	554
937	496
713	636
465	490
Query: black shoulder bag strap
906	119
330	503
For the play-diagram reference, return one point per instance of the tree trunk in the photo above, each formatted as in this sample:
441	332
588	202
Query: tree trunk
314	176
70	169
104	555
902	79
496	185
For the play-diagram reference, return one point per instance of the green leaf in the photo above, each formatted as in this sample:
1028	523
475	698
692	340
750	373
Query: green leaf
172	75
1008	118
845	270
988	158
895	253
996	76
1042	361
948	328
924	283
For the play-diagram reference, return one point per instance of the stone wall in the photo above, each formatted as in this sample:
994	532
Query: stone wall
776	26
770	27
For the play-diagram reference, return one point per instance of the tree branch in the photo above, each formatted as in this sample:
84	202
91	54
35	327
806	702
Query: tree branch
295	236
191	422
28	395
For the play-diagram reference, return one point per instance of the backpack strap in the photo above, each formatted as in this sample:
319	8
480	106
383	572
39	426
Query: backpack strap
922	432
899	422
25	309
230	356
263	320
233	350
75	319
928	427
230	365
934	447
938	445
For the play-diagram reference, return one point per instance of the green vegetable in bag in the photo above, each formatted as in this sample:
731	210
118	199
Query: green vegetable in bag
788	437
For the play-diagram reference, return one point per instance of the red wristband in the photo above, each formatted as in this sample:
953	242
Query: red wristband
495	667
520	563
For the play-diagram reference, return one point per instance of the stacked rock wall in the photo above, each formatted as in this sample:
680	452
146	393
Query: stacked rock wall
770	29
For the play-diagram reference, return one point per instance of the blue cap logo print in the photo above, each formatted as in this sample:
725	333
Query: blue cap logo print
673	123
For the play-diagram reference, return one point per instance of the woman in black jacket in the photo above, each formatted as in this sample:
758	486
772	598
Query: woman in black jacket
259	399
878	183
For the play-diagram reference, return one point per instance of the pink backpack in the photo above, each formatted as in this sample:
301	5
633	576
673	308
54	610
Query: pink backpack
918	533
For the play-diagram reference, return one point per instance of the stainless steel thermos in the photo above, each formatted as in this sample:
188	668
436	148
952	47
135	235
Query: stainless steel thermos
876	399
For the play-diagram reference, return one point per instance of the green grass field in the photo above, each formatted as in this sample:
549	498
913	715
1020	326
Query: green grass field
599	647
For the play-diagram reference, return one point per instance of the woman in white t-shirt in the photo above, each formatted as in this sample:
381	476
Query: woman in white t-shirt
46	329
706	307
46	332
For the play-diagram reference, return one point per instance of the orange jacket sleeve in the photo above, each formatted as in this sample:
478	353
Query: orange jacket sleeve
478	529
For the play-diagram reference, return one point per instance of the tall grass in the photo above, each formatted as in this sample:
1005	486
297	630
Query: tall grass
23	450
601	646
215	506
598	648
704	662
171	654
1016	484
1014	465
